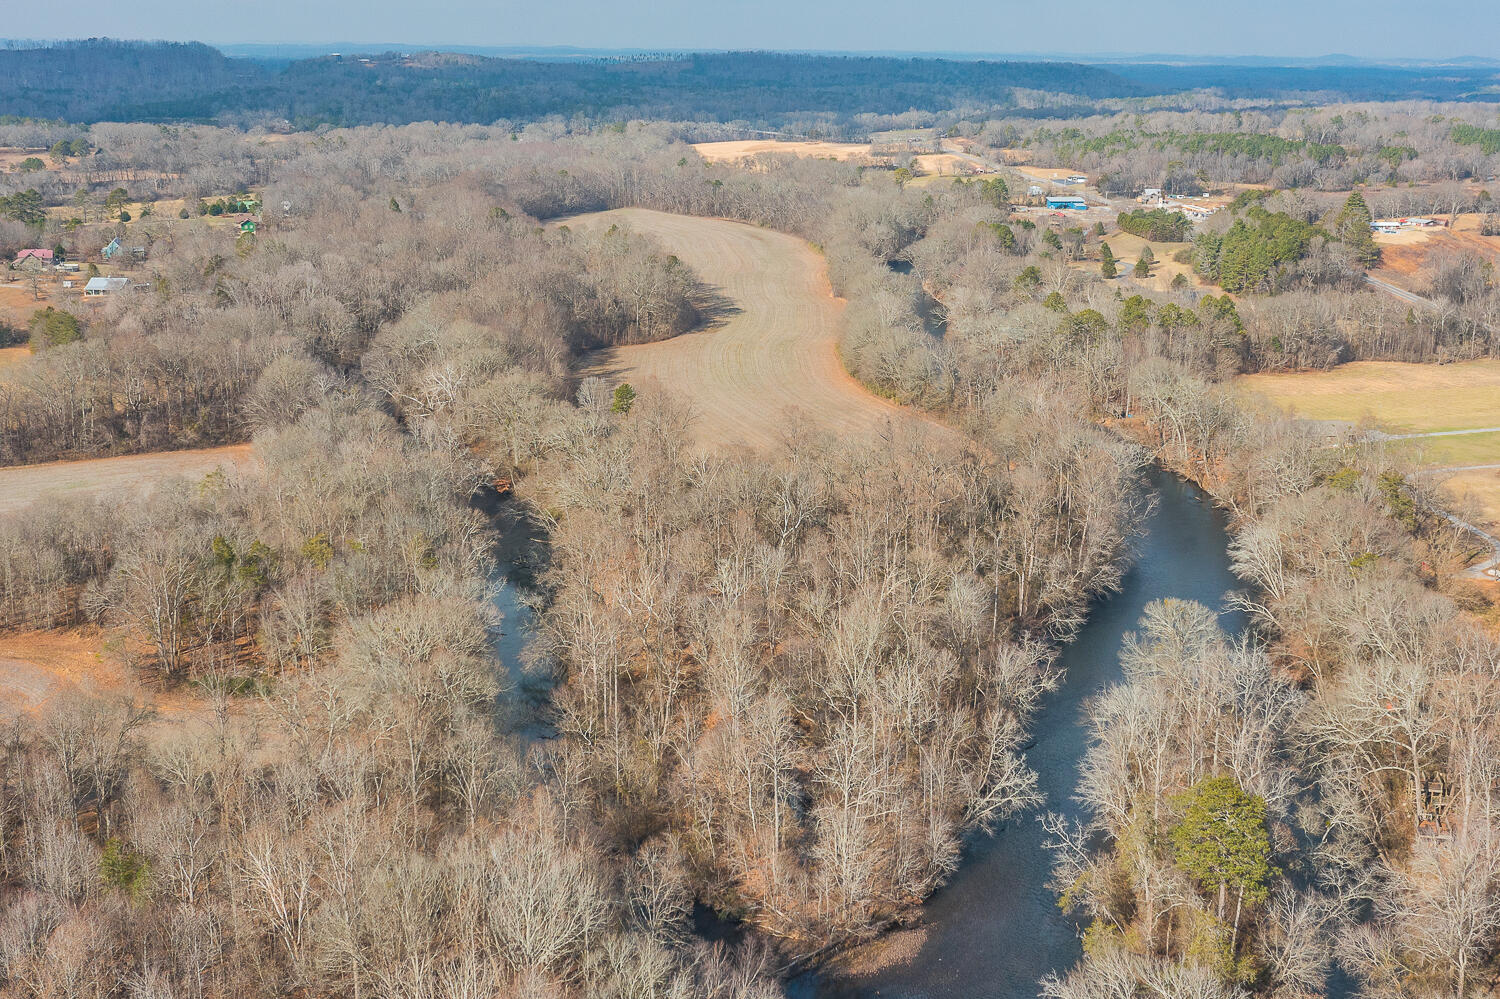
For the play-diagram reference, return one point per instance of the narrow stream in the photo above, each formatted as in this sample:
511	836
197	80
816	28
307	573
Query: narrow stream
934	317
995	930
523	691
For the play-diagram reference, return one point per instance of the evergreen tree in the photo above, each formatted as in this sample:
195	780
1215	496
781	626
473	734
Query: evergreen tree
1353	226
1223	842
53	327
1107	261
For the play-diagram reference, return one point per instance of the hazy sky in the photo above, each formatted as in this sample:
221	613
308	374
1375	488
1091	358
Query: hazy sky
1383	28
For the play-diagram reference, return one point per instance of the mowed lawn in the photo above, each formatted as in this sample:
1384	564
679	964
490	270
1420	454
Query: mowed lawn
1402	398
1447	452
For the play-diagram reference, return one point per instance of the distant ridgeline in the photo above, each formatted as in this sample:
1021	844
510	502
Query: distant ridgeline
105	80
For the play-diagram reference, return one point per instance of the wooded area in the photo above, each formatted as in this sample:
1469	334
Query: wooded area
780	688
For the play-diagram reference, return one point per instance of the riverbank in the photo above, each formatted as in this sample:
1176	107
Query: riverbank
995	930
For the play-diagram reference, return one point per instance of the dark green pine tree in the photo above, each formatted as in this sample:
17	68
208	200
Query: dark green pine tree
1224	843
1353	227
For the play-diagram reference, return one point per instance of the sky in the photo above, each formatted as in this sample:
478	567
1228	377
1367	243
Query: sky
1299	28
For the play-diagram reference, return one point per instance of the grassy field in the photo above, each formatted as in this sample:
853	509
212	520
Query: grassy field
1482	488
1127	250
770	363
1446	452
1404	398
22	485
1414	399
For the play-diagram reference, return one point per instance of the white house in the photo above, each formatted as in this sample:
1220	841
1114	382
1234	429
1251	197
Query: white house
98	287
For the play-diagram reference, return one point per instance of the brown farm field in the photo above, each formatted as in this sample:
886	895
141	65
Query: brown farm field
740	149
18	301
21	485
37	666
1043	175
769	365
11	158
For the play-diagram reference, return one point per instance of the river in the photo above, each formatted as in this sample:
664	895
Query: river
995	929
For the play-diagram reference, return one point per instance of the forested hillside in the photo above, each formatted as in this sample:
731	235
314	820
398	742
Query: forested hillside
103	80
106	80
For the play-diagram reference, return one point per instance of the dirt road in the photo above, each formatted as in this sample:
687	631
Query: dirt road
21	485
768	362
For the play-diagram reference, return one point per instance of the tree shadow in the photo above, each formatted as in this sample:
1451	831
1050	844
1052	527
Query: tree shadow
714	308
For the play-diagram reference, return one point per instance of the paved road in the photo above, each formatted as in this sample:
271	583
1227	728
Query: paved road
1399	292
1489	568
1460	468
980	161
1382	436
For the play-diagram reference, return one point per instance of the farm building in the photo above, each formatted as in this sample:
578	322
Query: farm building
1067	204
111	248
99	287
1396	225
247	226
33	260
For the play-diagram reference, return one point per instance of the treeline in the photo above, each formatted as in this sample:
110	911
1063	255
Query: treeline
359	822
1157	225
1325	148
1253	255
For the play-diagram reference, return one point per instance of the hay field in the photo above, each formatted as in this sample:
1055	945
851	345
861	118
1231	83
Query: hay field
22	485
1450	452
1409	398
740	149
769	363
1043	175
944	165
1404	398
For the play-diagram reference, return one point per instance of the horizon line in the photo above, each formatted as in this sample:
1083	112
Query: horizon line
1324	59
